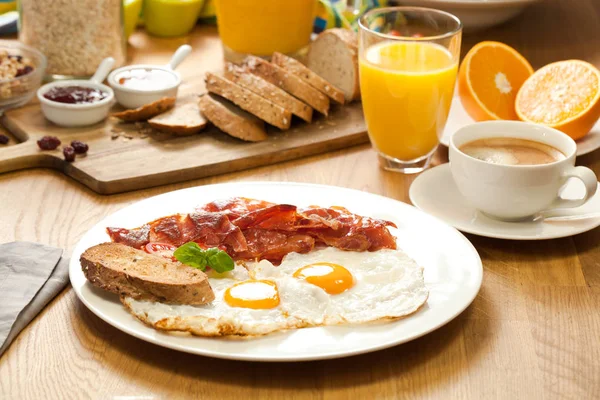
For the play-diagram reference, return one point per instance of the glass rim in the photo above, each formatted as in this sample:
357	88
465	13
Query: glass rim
384	10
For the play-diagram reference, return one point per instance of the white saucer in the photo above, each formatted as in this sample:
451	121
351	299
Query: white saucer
458	118
435	193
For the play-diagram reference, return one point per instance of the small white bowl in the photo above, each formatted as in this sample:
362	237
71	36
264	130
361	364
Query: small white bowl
476	15
72	115
134	98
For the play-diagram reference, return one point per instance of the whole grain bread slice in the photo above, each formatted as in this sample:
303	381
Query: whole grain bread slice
146	111
126	271
288	82
308	76
249	101
333	55
269	91
232	120
184	119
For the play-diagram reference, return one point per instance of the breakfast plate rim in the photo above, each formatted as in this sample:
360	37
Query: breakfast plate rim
467	228
136	329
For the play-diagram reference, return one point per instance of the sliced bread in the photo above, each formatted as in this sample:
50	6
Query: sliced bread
184	119
146	111
334	57
288	82
269	91
308	76
130	272
232	120
249	101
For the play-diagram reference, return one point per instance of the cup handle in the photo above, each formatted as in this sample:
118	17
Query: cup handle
590	181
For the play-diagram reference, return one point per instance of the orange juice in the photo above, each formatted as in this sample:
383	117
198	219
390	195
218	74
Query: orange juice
265	26
407	89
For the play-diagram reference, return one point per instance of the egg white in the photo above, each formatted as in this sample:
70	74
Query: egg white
387	285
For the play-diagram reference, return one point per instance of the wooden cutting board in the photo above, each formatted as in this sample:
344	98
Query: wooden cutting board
125	157
136	160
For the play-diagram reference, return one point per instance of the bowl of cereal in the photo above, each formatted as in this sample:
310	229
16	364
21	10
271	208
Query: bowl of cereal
21	73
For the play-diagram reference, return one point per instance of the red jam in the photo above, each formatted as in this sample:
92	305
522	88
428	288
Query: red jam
75	95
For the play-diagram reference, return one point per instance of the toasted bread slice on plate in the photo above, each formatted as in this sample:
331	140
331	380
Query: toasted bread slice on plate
300	70
334	57
184	119
232	120
130	272
288	82
249	101
269	91
147	111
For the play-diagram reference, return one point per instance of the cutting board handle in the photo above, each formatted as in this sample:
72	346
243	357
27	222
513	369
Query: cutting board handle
24	155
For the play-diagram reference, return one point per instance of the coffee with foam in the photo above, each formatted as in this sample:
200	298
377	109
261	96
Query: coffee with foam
512	151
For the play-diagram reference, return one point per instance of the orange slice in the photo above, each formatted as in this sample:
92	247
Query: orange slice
489	78
564	95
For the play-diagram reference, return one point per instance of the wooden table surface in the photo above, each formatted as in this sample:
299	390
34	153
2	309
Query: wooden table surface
532	332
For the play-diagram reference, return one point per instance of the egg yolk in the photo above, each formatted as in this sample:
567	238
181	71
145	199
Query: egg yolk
253	294
332	278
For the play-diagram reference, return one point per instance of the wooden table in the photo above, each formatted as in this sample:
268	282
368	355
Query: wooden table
533	331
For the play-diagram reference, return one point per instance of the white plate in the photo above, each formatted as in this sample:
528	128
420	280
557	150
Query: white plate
458	118
476	14
452	269
435	193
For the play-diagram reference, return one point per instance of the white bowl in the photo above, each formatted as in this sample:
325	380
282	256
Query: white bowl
475	14
134	98
73	115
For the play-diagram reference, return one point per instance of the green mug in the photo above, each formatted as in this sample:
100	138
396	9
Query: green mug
168	18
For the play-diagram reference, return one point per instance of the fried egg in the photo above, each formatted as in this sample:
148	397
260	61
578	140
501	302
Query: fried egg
324	287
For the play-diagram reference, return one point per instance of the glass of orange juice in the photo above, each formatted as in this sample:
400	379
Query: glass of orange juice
264	27
408	59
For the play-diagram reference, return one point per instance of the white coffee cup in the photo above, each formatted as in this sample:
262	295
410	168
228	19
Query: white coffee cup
515	192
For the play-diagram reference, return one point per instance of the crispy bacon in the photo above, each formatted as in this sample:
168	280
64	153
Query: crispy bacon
214	229
131	237
273	245
347	231
235	207
209	229
278	217
256	229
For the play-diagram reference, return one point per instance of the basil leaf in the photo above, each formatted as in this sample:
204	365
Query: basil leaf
191	254
219	260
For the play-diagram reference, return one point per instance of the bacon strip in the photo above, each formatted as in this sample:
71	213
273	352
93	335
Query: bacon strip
256	229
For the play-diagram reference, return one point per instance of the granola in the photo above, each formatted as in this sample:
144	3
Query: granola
13	66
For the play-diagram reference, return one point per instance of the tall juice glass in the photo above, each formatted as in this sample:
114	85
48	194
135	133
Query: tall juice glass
408	63
263	27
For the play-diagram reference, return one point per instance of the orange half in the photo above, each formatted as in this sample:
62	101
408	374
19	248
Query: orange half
564	95
489	78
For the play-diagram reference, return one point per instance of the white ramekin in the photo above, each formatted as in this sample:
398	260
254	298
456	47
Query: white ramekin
134	98
73	115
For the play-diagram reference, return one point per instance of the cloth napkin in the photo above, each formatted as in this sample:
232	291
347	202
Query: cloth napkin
31	274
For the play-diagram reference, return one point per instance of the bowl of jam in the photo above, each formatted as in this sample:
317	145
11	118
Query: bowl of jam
75	103
75	94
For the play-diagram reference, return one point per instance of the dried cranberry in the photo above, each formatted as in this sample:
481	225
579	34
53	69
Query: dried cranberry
69	153
24	71
80	147
48	143
3	139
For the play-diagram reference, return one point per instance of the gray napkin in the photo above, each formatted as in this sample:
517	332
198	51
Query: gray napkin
31	275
